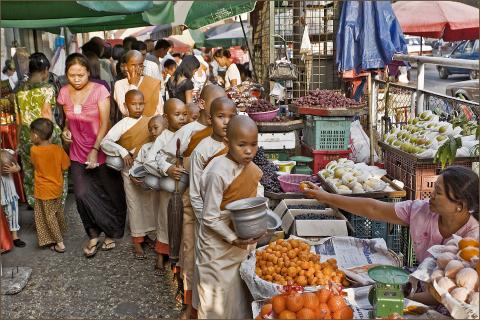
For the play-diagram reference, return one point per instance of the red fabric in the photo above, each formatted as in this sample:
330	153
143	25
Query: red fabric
9	141
161	248
6	241
138	239
449	20
187	297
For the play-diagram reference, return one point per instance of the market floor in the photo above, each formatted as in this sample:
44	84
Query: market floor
112	285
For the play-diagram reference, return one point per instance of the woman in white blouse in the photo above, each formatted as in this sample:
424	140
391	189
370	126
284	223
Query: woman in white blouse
232	76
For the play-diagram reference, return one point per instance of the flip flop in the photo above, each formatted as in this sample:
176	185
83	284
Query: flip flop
91	255
140	256
108	246
54	248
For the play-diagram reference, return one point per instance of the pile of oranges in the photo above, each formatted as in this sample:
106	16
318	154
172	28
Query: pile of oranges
323	304
290	262
469	248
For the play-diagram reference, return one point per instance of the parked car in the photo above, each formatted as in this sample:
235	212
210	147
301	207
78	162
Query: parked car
413	46
468	49
468	90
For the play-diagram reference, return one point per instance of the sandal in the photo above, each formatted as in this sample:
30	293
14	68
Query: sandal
92	254
56	249
106	246
140	256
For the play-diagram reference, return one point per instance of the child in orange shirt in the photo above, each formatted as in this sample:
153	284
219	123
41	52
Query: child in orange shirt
49	161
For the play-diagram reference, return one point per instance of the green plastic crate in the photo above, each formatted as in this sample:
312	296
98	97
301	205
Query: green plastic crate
327	133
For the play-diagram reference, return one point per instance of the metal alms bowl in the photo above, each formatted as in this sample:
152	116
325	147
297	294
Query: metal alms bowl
166	183
274	222
115	162
249	217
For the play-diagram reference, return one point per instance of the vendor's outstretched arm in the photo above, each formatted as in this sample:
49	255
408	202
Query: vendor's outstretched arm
365	207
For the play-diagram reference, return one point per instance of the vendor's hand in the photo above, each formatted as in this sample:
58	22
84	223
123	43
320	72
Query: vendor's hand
312	190
136	181
11	168
92	159
128	161
67	136
175	172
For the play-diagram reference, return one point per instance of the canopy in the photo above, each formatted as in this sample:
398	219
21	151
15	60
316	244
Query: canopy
368	36
449	20
226	35
86	16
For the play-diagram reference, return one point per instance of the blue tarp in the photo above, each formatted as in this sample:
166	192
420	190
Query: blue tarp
369	35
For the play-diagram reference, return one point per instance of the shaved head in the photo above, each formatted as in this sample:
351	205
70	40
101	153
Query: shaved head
220	103
211	92
171	105
159	119
240	125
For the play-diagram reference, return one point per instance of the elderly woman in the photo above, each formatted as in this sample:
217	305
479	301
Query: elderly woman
98	189
35	99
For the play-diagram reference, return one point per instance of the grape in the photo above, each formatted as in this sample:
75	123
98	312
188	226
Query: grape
329	99
306	206
269	179
313	216
260	105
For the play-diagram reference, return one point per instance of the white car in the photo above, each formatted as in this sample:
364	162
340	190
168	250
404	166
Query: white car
413	46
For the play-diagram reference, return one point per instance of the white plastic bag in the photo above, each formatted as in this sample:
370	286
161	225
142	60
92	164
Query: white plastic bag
306	46
360	144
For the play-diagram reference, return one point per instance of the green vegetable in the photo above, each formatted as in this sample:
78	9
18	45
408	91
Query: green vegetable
447	152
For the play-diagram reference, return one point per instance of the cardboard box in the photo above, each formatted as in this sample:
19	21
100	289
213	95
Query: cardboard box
277	141
337	225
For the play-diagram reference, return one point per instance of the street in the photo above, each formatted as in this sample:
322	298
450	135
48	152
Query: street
433	81
64	286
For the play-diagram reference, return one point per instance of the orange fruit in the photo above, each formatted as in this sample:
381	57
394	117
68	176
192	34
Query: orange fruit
278	304
259	317
306	313
468	242
469	252
287	314
295	302
302	281
310	300
303	186
345	313
323	295
336	303
266	310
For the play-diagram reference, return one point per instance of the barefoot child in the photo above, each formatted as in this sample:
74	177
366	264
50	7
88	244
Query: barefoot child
190	136
219	252
175	117
125	139
49	162
193	112
9	197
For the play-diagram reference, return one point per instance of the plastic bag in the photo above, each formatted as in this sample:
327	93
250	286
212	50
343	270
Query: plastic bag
306	46
360	144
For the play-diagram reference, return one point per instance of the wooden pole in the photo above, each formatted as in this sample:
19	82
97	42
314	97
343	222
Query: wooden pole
370	118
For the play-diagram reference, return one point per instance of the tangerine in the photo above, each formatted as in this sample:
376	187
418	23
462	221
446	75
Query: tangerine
336	303
468	242
266	310
310	300
345	313
287	314
469	252
306	313
323	295
294	302
278	304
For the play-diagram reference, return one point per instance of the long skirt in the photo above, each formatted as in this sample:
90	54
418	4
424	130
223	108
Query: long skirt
49	221
100	200
27	167
162	199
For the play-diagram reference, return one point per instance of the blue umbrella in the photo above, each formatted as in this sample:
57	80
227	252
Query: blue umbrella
368	36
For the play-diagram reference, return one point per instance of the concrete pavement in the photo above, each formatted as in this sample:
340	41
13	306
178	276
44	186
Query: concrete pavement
112	285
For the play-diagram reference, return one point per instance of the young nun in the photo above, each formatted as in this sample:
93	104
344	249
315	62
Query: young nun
125	139
175	117
190	136
219	252
222	111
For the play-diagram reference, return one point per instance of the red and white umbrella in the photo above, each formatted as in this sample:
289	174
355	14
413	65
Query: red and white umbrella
447	20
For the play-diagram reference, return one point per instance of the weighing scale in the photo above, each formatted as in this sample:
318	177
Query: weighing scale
302	165
386	295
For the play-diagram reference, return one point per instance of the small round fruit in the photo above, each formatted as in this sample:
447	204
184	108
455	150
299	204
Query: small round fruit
266	310
278	304
310	300
468	242
295	302
306	313
336	303
469	252
287	314
323	295
303	186
345	313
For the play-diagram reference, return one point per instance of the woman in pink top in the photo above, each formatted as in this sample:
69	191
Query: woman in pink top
98	189
452	209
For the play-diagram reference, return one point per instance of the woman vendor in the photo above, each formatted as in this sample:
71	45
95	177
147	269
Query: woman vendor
452	209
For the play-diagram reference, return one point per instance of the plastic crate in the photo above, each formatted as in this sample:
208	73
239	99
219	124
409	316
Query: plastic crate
419	177
322	157
327	133
406	248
